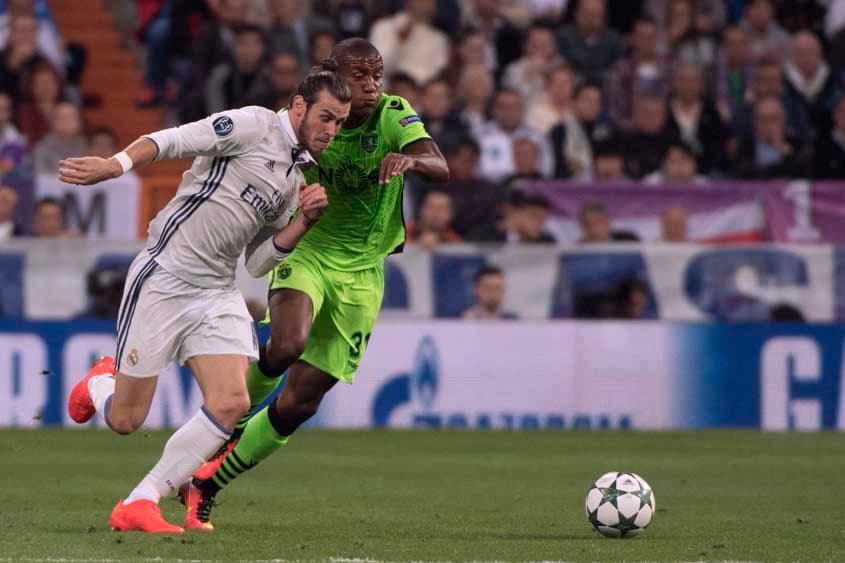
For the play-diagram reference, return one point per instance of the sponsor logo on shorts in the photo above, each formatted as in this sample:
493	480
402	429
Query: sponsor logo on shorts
223	125
284	271
132	357
369	141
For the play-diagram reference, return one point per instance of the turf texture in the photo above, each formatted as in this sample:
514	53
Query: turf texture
439	496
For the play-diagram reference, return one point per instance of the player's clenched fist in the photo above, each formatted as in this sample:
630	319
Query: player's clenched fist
313	201
394	164
88	170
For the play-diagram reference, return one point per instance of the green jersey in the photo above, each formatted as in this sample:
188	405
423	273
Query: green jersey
363	223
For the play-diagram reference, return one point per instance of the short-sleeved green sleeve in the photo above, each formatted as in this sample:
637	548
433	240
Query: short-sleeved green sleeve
401	124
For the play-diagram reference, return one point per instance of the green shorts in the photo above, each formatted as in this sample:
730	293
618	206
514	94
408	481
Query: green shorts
346	305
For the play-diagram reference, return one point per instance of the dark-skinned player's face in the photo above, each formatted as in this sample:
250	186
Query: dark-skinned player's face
364	76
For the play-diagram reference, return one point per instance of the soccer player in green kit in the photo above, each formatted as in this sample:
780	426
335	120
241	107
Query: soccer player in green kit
325	297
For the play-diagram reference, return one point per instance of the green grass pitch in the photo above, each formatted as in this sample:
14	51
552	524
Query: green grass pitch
439	496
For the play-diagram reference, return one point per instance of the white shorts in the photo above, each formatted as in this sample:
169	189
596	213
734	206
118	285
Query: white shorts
163	318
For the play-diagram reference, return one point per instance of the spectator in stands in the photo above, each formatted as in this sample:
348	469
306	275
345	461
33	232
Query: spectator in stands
102	142
809	82
734	72
596	228
526	158
404	85
285	71
572	141
20	54
472	50
708	16
527	74
646	144
767	37
48	38
49	219
505	40
608	162
12	143
214	45
694	119
441	122
554	104
434	221
680	166
322	43
105	293
41	91
65	139
291	30
409	43
497	136
684	42
829	154
351	18
520	219
673	225
771	152
477	203
9	226
475	89
489	289
526	220
642	71
244	81
589	46
768	82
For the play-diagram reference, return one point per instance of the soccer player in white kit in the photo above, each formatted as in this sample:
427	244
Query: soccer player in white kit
180	301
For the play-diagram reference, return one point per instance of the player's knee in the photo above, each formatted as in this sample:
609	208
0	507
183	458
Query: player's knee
286	350
230	409
125	423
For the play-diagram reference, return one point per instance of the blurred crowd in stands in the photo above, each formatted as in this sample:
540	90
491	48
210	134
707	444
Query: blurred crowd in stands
662	92
657	91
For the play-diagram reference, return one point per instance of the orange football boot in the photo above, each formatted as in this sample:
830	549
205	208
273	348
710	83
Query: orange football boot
199	505
141	516
210	467
80	407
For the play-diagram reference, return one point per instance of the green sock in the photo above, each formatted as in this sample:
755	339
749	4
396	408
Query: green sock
258	441
259	386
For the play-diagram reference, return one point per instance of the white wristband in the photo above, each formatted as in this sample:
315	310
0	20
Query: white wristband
124	160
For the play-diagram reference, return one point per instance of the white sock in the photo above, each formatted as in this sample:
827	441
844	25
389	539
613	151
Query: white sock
101	389
184	453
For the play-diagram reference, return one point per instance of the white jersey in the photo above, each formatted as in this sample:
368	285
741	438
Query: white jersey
245	177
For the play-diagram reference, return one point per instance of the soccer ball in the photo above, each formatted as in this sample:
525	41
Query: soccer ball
620	505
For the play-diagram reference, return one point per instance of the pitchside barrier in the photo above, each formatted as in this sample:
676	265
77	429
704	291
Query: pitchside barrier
503	375
49	280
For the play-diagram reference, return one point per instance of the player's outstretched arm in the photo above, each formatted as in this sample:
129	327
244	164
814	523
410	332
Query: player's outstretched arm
274	244
422	156
89	170
229	133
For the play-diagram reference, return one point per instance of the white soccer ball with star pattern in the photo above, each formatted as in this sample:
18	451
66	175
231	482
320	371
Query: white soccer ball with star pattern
620	505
